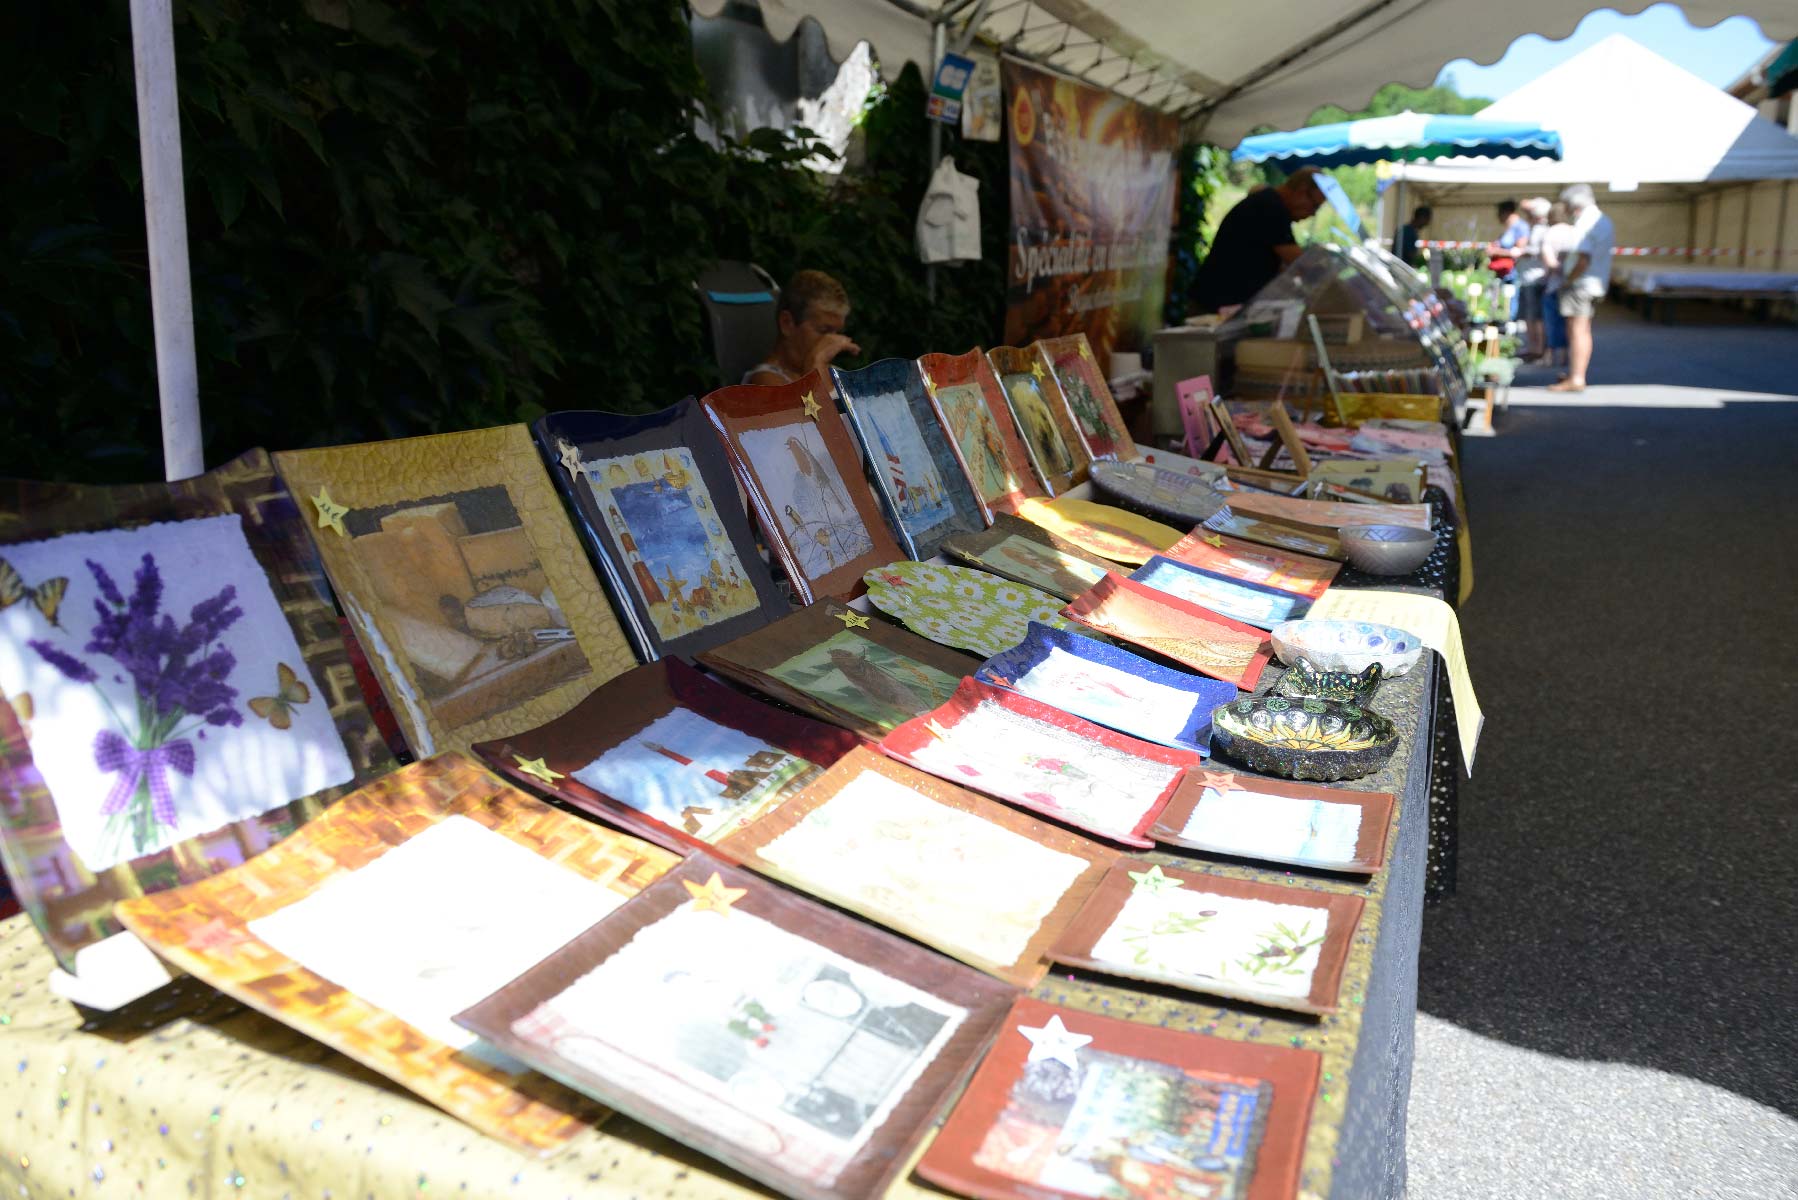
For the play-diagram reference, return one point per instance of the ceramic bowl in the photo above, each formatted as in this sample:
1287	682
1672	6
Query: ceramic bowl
1350	646
1386	549
1318	740
1306	680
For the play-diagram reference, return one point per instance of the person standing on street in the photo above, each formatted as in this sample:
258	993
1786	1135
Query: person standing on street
1585	281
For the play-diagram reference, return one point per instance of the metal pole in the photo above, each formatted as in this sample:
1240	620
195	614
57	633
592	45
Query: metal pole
165	221
936	140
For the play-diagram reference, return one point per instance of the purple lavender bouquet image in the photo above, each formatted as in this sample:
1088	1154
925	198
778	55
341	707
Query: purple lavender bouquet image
178	675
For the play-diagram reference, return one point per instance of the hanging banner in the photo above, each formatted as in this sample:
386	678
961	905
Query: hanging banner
1092	193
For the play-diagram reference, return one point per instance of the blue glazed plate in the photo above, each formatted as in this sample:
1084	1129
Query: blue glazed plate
1251	603
1109	687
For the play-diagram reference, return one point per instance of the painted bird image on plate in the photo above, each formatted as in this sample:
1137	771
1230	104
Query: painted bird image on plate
816	515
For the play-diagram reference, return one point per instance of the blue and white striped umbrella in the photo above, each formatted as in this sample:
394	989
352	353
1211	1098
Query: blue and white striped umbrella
1406	137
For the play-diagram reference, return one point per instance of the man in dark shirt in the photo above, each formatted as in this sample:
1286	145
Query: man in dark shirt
1406	247
1255	241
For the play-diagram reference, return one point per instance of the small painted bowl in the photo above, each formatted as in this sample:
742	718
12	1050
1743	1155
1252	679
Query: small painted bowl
1351	646
1318	740
1387	549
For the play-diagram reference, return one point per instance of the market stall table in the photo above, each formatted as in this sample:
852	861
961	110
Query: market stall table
229	1102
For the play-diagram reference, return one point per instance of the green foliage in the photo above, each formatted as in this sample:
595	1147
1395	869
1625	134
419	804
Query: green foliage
408	219
1204	176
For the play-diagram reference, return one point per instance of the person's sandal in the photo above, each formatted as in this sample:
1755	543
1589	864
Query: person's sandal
1565	386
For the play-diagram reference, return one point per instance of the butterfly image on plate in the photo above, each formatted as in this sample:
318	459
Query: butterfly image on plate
47	596
290	691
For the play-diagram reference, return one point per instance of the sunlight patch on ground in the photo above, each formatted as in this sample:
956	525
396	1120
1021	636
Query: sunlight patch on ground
1638	395
1491	1121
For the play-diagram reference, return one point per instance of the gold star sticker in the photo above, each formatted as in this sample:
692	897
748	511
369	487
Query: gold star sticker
714	896
1086	350
571	459
930	386
851	619
1036	369
1152	880
936	729
330	513
537	767
811	405
1214	540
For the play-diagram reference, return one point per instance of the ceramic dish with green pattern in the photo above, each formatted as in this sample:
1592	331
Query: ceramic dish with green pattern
959	607
1318	740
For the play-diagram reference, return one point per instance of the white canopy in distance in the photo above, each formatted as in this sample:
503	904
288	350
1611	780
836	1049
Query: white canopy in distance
1229	68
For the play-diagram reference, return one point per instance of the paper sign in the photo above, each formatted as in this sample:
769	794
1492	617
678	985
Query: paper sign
1435	625
945	94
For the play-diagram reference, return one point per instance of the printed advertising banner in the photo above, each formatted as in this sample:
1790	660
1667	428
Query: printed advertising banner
1092	193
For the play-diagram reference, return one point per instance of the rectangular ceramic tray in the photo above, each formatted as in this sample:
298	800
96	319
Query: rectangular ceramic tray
1271	813
1191	635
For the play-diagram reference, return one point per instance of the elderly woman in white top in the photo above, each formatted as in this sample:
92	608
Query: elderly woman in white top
1532	278
1557	253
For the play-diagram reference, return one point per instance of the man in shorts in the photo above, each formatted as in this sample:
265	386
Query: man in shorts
1588	277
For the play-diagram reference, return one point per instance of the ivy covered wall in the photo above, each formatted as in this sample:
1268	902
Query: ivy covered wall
412	218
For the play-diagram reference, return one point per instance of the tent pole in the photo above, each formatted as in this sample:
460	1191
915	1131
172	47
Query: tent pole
936	140
165	221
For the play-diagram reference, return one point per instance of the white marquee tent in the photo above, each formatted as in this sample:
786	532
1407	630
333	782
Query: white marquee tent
1677	163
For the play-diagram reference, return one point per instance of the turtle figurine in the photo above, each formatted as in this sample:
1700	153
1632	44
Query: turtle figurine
1306	680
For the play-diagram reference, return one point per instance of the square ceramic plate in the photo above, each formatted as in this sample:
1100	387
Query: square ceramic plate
1236	938
1250	603
454	560
802	471
672	756
1100	529
452	883
1111	686
958	872
916	473
1057	453
1269	566
971	405
1277	820
1090	403
1024	553
1068	1106
128	765
1191	635
860	672
1039	758
799	1046
657	508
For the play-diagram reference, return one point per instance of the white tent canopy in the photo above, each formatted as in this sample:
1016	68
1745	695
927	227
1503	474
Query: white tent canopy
1228	68
1628	116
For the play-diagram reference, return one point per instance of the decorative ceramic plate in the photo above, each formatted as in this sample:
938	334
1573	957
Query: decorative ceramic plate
916	473
1329	514
1300	574
1276	944
1040	758
1262	607
1101	529
800	1046
658	510
1322	740
1018	550
404	903
971	405
1351	646
968	609
1250	816
671	755
1061	1109
175	693
802	472
1110	685
1180	464
1057	452
1090	403
1172	496
1190	634
854	670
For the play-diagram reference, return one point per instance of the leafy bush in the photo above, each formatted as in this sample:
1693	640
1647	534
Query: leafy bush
412	219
